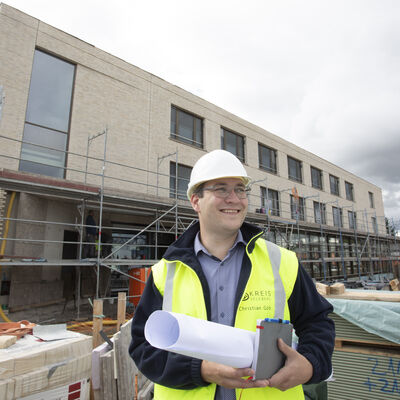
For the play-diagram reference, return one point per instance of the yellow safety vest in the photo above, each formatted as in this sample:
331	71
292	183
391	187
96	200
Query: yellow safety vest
266	294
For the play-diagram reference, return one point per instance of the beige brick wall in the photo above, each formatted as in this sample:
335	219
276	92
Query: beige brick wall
135	108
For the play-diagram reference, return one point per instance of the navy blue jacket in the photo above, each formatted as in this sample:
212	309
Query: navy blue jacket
308	310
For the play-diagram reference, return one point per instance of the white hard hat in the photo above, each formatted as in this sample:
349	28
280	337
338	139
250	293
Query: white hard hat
214	165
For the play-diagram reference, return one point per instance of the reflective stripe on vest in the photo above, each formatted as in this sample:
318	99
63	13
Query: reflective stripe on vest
280	296
169	287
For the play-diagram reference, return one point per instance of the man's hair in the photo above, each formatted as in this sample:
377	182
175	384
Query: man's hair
198	191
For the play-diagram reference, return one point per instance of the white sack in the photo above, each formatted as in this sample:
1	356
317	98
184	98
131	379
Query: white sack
201	339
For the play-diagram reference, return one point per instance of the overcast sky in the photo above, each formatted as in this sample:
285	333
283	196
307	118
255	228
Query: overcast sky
323	74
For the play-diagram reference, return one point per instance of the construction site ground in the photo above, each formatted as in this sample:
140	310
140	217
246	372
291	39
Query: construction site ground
61	313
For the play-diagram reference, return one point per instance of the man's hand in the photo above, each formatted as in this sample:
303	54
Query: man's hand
229	377
296	371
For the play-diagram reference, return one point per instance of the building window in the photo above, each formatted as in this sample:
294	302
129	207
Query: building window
47	116
267	158
270	201
186	127
183	180
294	167
319	213
334	183
371	200
352	219
337	217
316	178
233	143
349	191
374	225
297	208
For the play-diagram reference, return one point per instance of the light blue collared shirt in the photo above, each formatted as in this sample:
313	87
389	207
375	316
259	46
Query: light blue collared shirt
222	278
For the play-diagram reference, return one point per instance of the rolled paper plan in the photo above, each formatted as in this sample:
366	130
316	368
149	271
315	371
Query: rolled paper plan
201	339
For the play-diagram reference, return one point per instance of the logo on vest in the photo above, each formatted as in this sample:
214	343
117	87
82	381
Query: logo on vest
256	300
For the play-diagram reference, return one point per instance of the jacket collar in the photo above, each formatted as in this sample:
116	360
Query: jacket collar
183	248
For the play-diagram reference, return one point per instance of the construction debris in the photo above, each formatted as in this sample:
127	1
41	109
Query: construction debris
114	371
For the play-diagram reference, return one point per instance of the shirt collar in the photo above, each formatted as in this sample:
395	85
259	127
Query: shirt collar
198	246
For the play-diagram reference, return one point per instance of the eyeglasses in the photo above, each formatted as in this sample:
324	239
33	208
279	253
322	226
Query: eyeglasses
223	192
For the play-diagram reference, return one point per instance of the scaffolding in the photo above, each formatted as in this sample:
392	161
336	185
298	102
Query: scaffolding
155	204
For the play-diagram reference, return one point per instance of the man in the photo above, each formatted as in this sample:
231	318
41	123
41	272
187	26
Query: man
224	271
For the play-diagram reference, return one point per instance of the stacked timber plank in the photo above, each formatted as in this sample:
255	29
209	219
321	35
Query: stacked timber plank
114	374
32	370
366	359
338	291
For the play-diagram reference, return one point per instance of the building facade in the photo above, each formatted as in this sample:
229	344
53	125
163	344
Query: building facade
81	129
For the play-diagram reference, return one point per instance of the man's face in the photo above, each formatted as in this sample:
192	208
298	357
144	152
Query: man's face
223	216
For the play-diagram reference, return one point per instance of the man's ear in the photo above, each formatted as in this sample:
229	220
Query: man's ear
194	201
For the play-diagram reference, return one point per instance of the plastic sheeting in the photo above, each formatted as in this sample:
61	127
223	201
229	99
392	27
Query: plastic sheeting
381	318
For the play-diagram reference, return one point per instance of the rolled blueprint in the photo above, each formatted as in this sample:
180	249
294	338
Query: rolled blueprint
201	339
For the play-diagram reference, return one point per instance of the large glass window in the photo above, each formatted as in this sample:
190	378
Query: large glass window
186	127
297	208
349	191
270	201
316	178
47	115
294	167
233	143
337	217
319	213
267	158
334	184
183	180
352	219
371	200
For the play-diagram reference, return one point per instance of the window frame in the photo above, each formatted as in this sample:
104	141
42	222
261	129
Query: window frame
300	164
336	183
349	189
239	138
322	212
340	211
273	160
320	177
172	180
371	200
302	208
352	217
265	199
31	123
176	111
374	222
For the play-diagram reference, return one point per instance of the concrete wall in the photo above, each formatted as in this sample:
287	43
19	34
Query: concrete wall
135	107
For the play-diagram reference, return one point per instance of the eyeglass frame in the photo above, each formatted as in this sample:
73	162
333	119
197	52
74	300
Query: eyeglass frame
214	189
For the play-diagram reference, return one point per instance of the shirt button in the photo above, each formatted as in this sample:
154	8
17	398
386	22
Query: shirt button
222	263
222	315
221	288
